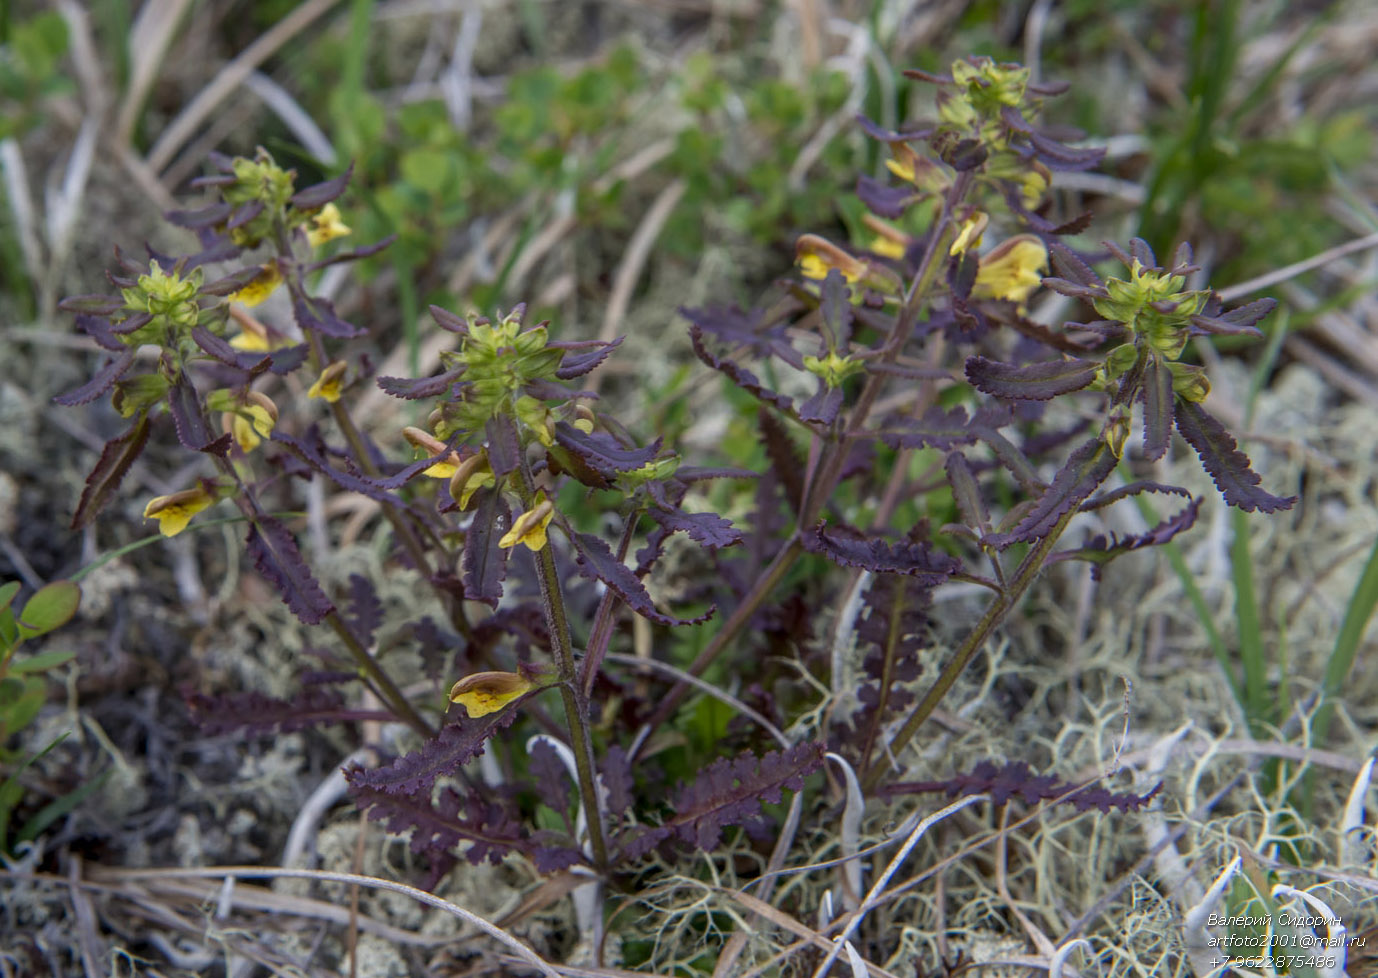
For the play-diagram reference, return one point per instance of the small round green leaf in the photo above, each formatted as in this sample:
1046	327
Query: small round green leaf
51	607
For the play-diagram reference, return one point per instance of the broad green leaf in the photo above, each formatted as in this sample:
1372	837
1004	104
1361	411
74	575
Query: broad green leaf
51	607
7	593
42	662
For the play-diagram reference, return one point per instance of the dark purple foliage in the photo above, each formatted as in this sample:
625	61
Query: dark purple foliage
1227	465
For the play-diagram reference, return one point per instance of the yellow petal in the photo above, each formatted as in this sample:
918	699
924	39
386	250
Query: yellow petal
472	475
487	692
529	528
1012	270
326	226
887	247
329	384
969	233
445	464
175	511
244	434
262	286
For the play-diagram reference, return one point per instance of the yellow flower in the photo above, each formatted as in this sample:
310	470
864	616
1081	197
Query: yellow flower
326	226
445	464
584	419
472	475
328	384
174	512
1012	270
969	232
816	255
260	287
887	247
890	241
529	528
254	337
252	421
487	692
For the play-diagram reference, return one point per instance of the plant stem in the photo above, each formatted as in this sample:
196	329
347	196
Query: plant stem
576	712
747	607
995	614
387	690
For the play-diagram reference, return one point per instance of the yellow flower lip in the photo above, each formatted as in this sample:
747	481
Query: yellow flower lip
326	225
173	512
472	475
488	692
530	527
262	286
445	463
1012	270
329	384
815	255
969	232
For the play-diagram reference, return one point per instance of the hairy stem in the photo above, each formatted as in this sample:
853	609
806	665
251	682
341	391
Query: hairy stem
995	614
576	705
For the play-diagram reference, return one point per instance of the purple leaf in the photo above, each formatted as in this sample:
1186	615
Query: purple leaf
421	387
883	200
255	713
456	745
276	557
100	330
965	491
823	407
731	792
483	566
782	455
707	529
601	452
115	459
577	363
1031	382
318	314
221	350
879	132
942	428
1158	408
850	547
312	452
103	380
365	610
1086	469
1100	550
597	561
1236	321
552	780
189	419
318	195
742	377
617	779
490	829
204	217
504	444
1228	467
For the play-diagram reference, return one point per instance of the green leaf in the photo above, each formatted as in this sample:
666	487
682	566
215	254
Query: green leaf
429	170
42	662
57	808
7	593
51	607
11	791
20	701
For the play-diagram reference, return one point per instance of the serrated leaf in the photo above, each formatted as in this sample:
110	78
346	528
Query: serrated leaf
275	556
739	375
218	348
707	529
504	444
365	610
942	428
597	561
1158	407
965	491
1228	467
420	387
319	194
1240	321
850	547
115	459
1086	469
1031	382
318	314
456	745
483	567
103	380
601	452
1101	549
578	362
189	420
